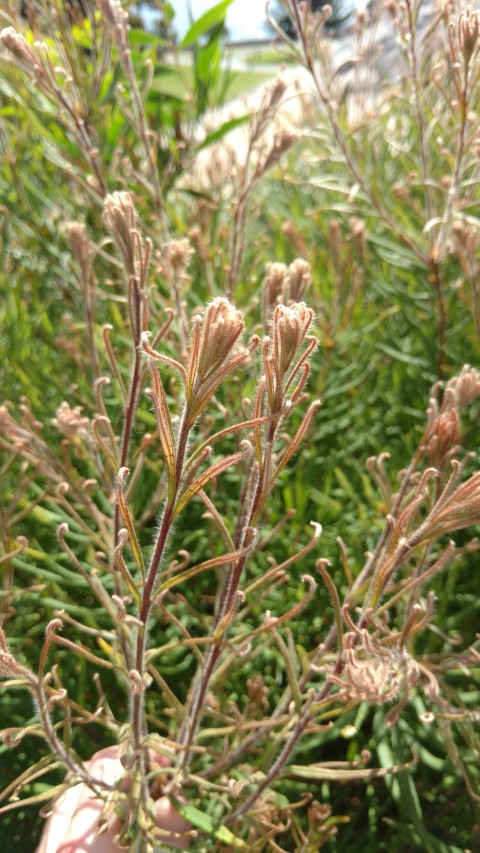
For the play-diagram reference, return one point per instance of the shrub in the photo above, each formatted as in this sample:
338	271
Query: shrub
162	592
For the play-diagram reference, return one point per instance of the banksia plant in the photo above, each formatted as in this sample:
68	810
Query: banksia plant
365	657
136	586
419	116
204	666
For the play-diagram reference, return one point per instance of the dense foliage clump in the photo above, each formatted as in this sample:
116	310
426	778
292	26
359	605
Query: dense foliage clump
238	437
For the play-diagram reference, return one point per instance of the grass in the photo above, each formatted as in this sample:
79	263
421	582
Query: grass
269	57
177	81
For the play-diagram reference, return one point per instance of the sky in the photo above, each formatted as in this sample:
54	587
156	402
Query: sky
244	17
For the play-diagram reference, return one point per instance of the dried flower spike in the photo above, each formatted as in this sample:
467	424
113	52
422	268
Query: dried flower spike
80	244
466	386
213	351
454	510
290	326
70	422
116	19
446	438
18	49
120	218
299	280
272	288
468	28
177	254
222	327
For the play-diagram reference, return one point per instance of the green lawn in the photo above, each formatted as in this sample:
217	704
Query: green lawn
270	57
178	81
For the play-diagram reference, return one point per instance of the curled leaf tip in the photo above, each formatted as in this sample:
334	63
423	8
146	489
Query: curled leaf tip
53	626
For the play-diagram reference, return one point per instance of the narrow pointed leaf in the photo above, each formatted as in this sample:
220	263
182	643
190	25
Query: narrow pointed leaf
202	567
165	429
340	774
209	475
128	521
208	20
300	435
206	824
224	128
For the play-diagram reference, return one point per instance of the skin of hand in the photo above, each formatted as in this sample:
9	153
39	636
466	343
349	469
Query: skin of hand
72	826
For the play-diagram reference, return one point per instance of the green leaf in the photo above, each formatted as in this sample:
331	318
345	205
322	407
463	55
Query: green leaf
140	38
404	792
161	70
206	824
208	20
82	35
405	357
208	59
168	11
221	131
